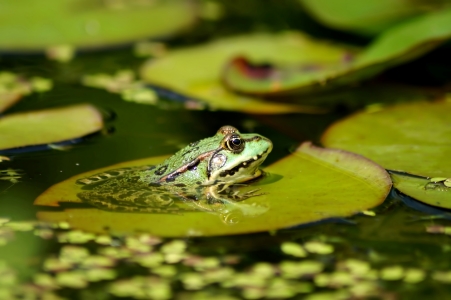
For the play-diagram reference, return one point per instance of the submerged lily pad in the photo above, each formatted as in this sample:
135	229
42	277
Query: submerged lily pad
395	46
366	17
196	71
31	26
310	185
48	126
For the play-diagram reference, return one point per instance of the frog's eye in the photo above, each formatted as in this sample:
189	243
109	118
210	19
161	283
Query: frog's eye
235	143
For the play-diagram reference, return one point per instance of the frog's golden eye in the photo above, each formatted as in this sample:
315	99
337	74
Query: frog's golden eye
235	143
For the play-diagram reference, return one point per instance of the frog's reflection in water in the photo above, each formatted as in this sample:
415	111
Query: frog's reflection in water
230	203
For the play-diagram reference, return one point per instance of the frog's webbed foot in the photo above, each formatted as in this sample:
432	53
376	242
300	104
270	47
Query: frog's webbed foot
237	196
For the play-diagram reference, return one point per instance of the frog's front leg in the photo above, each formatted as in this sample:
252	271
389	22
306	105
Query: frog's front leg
237	196
230	193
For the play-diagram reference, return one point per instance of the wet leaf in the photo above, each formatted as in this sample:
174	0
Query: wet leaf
72	279
366	17
416	145
310	185
410	137
442	276
423	190
14	86
393	47
392	273
263	269
195	72
305	268
318	247
7	100
45	280
142	287
48	126
294	249
335	280
414	275
355	267
94	275
29	26
75	237
74	254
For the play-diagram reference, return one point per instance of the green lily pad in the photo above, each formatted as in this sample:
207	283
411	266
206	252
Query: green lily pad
366	17
14	86
393	47
310	185
196	71
7	100
30	26
422	189
48	126
412	138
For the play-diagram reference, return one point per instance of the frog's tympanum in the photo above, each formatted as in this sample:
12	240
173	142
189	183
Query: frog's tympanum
204	175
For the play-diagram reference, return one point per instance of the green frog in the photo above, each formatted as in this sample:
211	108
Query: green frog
203	176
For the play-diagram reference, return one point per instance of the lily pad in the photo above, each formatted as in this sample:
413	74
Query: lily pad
366	17
412	138
310	185
30	26
14	86
393	47
48	126
422	189
7	100
196	71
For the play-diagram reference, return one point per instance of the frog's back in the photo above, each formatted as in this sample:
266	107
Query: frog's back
182	161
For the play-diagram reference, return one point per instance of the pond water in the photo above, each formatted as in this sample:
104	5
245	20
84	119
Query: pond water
397	250
386	255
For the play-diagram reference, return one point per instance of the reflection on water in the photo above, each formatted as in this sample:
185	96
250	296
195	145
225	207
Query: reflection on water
121	190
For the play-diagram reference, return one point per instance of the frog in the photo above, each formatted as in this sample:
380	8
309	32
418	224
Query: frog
204	176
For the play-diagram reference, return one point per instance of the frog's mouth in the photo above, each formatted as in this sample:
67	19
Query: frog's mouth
250	164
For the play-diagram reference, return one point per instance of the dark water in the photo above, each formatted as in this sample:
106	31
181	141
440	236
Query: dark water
395	236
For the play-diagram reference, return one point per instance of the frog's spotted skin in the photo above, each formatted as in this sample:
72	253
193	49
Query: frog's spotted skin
201	174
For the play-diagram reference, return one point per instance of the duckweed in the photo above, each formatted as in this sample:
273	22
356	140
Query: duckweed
293	249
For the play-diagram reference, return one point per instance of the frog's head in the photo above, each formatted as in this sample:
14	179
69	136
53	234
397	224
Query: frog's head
238	157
